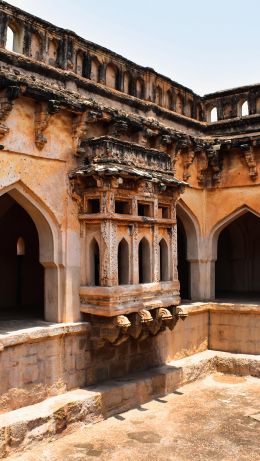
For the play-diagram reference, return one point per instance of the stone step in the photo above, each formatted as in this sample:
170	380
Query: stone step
52	416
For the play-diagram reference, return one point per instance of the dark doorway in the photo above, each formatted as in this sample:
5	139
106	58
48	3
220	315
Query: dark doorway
123	263
21	274
94	263
144	261
238	262
183	263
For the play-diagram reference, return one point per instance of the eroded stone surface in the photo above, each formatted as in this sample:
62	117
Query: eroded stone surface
205	420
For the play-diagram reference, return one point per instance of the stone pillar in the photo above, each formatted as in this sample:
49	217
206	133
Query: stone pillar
173	253
108	254
156	256
135	262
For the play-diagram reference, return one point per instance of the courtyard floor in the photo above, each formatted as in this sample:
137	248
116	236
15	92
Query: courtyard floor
217	418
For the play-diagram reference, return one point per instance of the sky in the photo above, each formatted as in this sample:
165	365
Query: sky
206	45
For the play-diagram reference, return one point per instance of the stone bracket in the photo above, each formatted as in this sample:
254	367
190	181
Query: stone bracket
189	158
249	157
7	99
139	325
43	112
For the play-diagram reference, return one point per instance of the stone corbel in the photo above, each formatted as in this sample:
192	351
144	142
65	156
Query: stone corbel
213	154
80	127
249	157
189	158
202	169
79	132
7	98
43	112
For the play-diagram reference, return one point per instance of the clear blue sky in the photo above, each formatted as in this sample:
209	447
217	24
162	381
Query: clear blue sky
207	45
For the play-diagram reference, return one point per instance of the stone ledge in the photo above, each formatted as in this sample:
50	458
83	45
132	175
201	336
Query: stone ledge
38	333
229	307
46	419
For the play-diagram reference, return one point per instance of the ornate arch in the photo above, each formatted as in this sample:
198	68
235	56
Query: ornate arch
224	222
192	229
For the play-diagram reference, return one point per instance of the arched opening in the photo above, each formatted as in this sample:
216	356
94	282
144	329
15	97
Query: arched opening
9	44
238	259
244	109
183	263
144	260
214	115
94	263
21	273
111	76
164	261
123	262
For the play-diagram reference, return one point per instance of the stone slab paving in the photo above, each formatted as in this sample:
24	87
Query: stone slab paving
206	420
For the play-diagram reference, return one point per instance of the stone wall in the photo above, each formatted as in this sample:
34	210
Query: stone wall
49	360
235	329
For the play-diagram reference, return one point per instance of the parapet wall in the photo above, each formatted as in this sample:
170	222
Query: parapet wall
40	362
59	48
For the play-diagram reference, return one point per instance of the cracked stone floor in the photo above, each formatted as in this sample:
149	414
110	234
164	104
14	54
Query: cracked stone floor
217	418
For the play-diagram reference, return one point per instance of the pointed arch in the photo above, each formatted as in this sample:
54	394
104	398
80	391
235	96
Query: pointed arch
164	260
94	258
237	254
188	232
220	225
50	254
191	226
144	259
123	262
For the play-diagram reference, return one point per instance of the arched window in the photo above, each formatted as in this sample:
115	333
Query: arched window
111	76
94	263
244	109
158	95
214	115
14	38
20	247
123	262
164	261
144	261
9	44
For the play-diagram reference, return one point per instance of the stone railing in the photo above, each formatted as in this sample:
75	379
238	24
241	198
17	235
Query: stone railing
229	104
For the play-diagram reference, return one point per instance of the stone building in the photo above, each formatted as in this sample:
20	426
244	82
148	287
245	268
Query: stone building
121	192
